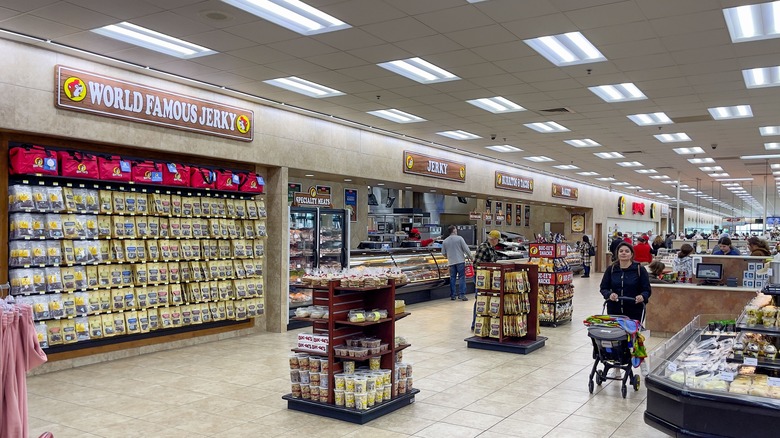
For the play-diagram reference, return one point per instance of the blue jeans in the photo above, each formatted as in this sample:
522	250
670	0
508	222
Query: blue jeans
458	274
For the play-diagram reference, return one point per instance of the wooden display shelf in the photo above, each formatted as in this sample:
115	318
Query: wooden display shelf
366	323
311	320
313	353
362	358
402	347
349	414
402	315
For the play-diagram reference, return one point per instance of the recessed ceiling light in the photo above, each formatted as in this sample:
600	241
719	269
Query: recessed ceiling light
761	77
459	135
304	87
153	40
704	160
397	116
672	138
633	187
718	175
645	191
689	151
503	148
753	22
646	171
650	119
609	155
539	159
669	182
735	179
771	146
587	173
731	112
766	131
308	175
433	190
622	183
630	164
759	157
347	180
380	184
607	178
618	92
566	49
566	167
408	188
291	14
711	169
546	127
582	143
496	105
420	70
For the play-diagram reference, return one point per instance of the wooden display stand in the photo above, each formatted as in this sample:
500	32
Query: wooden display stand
556	252
339	301
510	344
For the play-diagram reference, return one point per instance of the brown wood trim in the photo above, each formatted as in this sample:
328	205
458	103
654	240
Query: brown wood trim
4	207
146	342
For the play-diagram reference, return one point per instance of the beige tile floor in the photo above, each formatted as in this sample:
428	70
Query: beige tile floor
233	388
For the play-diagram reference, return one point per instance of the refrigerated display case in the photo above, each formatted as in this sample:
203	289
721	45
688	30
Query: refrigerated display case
426	268
318	238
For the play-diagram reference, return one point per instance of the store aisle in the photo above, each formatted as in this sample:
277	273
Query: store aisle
233	388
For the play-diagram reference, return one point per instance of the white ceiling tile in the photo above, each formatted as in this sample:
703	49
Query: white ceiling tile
215	13
93	42
303	47
482	36
262	32
606	15
124	11
219	41
500	52
336	61
455	19
186	68
258	73
349	39
363	12
414	7
26	5
399	29
144	57
383	53
224	61
552	24
682	24
645	62
38	27
222	78
295	67
75	16
508	10
427	45
260	54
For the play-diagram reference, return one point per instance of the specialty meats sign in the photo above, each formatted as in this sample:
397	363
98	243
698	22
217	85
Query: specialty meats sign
78	90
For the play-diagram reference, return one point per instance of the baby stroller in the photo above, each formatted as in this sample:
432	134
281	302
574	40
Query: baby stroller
611	348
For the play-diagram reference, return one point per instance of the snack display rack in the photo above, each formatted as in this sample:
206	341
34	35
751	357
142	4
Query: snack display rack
502	285
555	283
337	330
110	264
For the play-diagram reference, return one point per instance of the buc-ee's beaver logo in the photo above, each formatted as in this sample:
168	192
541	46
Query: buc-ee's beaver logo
75	89
243	124
313	192
409	162
534	250
117	171
462	172
81	168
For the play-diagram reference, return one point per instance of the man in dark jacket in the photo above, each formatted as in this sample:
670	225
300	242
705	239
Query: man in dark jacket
614	244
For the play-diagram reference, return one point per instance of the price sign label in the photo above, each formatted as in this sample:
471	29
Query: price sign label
672	367
727	376
773	381
752	361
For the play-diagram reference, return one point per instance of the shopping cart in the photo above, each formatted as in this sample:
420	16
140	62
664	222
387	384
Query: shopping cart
611	348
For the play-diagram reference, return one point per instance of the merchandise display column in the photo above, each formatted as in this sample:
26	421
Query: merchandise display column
556	290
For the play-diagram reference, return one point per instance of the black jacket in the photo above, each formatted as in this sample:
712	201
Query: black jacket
613	247
628	282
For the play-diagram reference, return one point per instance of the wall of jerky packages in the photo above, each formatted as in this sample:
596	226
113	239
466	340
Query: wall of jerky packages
114	247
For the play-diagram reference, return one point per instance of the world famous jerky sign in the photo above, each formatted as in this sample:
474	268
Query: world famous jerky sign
78	90
425	165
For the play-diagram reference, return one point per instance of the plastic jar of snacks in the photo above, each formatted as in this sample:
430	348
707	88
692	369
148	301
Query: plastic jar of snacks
349	367
360	384
375	363
314	390
349	383
339	382
349	399
409	383
338	397
295	376
388	392
370	382
294	364
304	376
386	377
323	395
371	399
314	364
324	365
324	383
361	402
303	361
296	390
380	394
314	378
305	391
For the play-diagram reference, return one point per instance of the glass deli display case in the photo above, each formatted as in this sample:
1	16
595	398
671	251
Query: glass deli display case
697	387
426	268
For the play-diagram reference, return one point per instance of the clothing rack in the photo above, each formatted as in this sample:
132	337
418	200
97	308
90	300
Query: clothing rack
19	353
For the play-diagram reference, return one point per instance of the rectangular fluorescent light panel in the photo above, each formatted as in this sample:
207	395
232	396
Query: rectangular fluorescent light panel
753	22
767	131
152	40
735	179
771	146
304	87
582	143
291	14
608	178
609	155
711	169
718	175
669	182
618	92
539	159
496	105
705	160
645	191
397	116
566	49
731	112
774	166
546	127
420	70
761	77
630	164
459	135
566	167
759	157
689	151
646	171
650	119
503	148
672	138
588	173
622	183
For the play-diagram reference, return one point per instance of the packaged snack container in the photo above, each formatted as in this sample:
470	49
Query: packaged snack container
349	367
349	400
314	378
349	383
315	392
324	365
374	363
323	395
303	360
295	376
314	364
361	402
401	367
341	350
360	351
360	384
402	386
305	391
370	382
338	397
383	347
387	393
294	365
371	342
296	390
379	394
386	377
339	382
304	376
371	399
408	369
324	383
409	383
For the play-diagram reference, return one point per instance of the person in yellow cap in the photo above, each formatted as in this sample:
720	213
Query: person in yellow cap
486	253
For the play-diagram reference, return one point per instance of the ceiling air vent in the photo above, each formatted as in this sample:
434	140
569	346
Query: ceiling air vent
556	110
691	119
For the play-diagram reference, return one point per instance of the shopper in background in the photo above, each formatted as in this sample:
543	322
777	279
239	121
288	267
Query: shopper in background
486	253
626	278
456	251
758	247
656	270
669	242
585	253
642	250
614	244
725	247
683	263
414	235
658	243
628	239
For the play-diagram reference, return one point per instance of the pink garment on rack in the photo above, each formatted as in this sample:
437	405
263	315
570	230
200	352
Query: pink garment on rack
19	353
